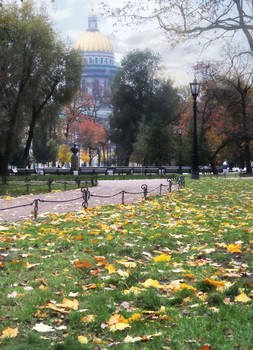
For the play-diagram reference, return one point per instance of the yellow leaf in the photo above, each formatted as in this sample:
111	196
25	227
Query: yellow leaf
122	273
110	268
118	322
234	248
214	282
70	304
162	258
83	340
9	333
97	340
135	317
88	318
129	264
109	237
118	327
186	286
243	298
151	283
115	318
134	290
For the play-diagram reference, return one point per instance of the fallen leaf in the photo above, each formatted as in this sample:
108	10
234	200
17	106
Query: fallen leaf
234	248
82	339
214	282
80	264
205	347
243	298
9	333
118	322
88	318
162	258
151	283
43	328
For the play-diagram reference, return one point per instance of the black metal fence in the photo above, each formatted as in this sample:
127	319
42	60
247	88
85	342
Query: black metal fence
178	181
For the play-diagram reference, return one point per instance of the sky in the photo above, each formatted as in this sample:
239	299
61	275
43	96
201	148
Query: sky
70	17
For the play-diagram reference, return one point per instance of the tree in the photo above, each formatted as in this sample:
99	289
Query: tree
38	73
191	19
225	113
90	136
44	148
139	97
64	154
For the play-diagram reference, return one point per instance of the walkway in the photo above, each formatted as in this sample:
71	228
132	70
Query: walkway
105	188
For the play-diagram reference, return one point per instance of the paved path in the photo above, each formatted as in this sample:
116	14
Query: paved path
100	195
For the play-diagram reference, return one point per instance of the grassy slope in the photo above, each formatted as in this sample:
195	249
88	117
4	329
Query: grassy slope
173	272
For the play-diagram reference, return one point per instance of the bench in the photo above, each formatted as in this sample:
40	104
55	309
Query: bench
175	169
170	170
144	170
92	171
26	171
151	170
122	170
208	170
58	171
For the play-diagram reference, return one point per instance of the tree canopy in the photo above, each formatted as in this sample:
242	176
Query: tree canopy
140	98
190	19
38	74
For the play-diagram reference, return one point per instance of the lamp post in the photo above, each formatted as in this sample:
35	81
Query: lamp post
180	130
195	87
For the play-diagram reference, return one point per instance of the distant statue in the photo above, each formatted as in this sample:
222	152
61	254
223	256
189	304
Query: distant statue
74	149
74	158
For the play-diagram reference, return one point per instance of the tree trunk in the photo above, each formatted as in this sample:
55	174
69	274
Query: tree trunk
4	168
247	157
213	166
30	138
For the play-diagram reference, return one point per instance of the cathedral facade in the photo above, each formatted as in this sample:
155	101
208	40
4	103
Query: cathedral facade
99	66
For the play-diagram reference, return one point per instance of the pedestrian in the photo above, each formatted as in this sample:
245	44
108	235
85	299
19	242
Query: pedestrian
225	167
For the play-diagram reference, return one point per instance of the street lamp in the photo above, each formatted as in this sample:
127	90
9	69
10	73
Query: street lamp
195	87
180	130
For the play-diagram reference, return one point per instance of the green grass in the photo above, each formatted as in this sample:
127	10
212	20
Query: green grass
175	271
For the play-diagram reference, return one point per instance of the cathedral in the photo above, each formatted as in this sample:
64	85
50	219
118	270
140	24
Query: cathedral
99	66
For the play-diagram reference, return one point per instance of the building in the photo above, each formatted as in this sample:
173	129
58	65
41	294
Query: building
99	66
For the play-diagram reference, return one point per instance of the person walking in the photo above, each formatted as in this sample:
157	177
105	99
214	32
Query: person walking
225	167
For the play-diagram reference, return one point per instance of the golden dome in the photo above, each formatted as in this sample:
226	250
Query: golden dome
93	41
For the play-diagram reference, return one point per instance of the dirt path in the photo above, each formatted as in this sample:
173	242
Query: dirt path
107	192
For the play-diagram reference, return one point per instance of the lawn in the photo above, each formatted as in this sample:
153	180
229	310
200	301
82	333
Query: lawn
172	272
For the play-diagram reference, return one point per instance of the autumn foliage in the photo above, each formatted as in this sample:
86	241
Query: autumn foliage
169	272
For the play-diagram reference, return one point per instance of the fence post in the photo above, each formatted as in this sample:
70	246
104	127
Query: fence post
35	210
86	197
145	190
170	184
123	197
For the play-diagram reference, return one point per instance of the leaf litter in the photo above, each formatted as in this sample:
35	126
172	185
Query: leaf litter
161	259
